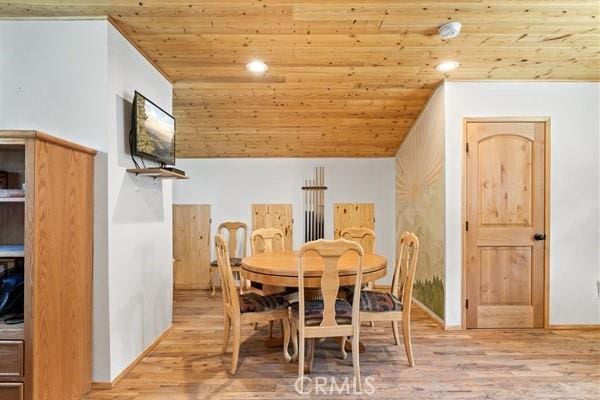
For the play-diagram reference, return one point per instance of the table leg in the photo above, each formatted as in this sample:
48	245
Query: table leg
273	341
348	346
212	281
310	355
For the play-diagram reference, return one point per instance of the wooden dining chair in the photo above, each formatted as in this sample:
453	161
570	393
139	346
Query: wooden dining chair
363	236
231	228
396	306
266	240
329	317
246	308
366	238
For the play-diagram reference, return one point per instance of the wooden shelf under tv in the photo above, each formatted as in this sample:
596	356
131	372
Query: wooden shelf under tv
157	173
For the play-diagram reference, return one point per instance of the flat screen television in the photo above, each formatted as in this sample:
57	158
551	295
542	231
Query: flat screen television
152	131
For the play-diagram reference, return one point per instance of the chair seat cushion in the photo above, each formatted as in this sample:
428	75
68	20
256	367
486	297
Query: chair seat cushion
313	312
253	302
371	300
234	262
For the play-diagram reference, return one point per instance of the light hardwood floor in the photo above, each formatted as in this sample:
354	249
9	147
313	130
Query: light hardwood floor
482	364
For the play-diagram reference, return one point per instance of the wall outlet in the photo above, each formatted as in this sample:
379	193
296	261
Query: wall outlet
598	288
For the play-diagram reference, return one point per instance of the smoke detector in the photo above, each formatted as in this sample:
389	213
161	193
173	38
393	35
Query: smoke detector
450	30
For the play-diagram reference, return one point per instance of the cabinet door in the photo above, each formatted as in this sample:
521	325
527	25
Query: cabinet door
348	215
11	358
11	391
191	246
274	216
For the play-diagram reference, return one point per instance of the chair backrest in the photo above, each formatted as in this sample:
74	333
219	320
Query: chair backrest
330	252
404	274
363	236
268	237
230	294
232	228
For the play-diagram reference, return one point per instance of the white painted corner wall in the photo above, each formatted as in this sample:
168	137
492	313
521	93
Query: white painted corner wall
230	186
574	112
75	80
140	213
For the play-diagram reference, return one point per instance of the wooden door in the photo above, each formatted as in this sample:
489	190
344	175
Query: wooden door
348	215
191	246
274	216
505	222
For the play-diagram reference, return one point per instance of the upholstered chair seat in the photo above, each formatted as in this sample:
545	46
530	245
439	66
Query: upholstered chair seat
234	261
371	300
313	312
253	302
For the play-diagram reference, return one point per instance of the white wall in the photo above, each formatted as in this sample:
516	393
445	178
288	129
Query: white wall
230	186
75	80
140	215
574	110
54	88
53	78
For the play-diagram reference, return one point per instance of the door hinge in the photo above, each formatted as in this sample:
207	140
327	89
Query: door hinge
466	225
467	304
467	147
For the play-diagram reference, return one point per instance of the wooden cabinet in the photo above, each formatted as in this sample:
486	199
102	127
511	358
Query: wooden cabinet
49	355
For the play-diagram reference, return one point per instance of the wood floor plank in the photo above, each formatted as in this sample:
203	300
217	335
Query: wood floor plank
474	364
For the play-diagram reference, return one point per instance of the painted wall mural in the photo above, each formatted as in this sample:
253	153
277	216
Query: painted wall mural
420	200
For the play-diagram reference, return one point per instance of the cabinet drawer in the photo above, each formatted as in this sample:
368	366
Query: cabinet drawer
11	359
11	391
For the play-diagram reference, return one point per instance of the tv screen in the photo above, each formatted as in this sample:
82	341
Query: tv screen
153	131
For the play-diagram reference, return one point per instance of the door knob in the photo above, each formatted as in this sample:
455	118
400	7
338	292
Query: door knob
539	236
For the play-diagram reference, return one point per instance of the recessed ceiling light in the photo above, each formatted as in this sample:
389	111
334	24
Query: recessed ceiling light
450	30
447	66
257	66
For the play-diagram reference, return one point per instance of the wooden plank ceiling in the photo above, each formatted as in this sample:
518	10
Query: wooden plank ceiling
345	79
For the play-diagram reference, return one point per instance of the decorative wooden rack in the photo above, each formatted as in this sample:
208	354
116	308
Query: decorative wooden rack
157	173
314	206
314	187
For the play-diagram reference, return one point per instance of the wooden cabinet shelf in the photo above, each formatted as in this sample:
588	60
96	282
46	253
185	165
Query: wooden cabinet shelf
157	173
12	332
12	199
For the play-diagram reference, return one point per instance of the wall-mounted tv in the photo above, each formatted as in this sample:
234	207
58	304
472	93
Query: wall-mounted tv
152	131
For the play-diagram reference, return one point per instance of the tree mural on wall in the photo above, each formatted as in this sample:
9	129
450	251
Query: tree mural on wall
420	203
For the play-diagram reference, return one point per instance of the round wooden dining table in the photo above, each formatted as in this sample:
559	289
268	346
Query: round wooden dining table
281	269
277	270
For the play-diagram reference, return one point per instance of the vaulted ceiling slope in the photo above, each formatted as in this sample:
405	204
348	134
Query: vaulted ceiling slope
345	79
